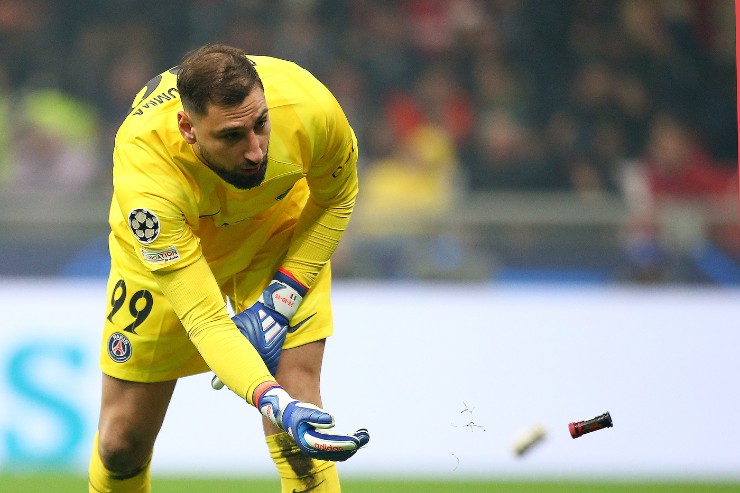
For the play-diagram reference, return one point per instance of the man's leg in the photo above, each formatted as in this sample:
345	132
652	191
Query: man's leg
299	373
131	415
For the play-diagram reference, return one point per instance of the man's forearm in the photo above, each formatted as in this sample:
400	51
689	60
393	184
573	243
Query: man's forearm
197	300
317	235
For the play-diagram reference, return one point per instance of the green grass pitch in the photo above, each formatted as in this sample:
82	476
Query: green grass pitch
27	483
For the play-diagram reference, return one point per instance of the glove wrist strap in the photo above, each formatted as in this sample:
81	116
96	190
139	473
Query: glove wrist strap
272	402
284	294
287	277
260	391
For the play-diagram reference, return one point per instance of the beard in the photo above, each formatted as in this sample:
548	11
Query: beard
240	179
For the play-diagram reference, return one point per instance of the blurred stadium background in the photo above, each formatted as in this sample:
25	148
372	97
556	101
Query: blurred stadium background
583	151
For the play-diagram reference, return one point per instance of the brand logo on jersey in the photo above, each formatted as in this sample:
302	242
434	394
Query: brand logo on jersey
144	225
340	168
149	89
119	347
158	99
282	195
169	254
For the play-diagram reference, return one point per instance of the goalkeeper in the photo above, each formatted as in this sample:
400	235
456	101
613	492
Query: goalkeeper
234	178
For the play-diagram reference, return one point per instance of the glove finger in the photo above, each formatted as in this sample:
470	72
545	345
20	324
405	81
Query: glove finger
311	415
327	442
216	383
322	422
362	436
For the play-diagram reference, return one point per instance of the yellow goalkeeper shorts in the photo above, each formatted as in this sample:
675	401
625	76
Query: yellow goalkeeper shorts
144	341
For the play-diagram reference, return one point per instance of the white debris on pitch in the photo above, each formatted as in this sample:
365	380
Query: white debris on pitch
528	439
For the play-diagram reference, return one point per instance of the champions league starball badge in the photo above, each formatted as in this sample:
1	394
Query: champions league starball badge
144	224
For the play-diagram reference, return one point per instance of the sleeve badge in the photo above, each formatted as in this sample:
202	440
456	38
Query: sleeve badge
144	224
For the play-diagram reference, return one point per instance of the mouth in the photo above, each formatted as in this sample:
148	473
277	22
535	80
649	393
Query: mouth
251	169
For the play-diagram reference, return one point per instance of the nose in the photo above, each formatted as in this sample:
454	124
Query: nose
254	152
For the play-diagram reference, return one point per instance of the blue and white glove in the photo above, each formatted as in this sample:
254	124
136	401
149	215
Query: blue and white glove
305	423
266	323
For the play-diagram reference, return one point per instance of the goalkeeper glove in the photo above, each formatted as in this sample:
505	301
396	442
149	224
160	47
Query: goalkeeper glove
304	422
266	323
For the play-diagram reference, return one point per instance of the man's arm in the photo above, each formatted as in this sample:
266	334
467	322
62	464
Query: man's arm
307	425
196	298
333	185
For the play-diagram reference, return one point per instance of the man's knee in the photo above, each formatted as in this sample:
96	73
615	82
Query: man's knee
123	453
127	428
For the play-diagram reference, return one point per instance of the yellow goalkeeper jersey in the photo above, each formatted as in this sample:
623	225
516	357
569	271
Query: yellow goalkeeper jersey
169	209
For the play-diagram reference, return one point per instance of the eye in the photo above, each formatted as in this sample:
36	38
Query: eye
231	136
261	123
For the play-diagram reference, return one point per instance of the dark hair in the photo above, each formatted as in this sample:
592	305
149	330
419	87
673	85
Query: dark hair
215	74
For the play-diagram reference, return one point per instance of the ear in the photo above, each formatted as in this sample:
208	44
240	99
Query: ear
185	125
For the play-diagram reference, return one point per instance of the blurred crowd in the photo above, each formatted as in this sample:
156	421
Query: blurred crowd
629	97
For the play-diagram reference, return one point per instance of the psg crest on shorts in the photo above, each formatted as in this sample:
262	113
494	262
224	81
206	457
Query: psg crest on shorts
119	347
144	225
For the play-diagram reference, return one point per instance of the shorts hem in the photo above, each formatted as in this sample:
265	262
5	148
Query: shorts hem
150	377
